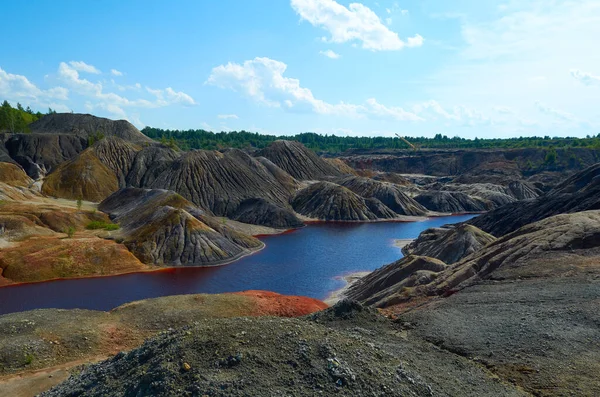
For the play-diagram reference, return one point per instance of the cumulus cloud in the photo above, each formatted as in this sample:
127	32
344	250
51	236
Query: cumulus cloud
263	80
559	114
84	67
355	23
15	86
228	116
115	72
329	54
462	115
112	102
584	77
170	96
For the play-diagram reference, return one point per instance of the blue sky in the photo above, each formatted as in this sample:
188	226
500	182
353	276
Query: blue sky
418	68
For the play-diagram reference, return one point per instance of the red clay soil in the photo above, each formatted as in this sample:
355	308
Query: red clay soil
274	304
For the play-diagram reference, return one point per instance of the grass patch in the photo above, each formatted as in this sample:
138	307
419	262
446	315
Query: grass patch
29	359
97	225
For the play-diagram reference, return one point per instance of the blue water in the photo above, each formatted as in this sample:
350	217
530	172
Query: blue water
304	262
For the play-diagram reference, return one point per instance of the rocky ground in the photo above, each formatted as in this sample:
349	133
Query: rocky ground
49	341
347	350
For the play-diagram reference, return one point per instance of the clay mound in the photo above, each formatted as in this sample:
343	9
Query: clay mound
149	163
161	227
391	177
13	175
86	125
47	258
380	210
449	243
85	177
389	194
15	227
331	202
529	251
450	202
274	304
522	190
53	217
581	192
285	179
494	195
390	284
219	182
118	155
298	161
259	211
39	154
578	181
341	165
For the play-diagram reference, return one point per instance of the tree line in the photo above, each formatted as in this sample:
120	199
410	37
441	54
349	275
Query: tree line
202	139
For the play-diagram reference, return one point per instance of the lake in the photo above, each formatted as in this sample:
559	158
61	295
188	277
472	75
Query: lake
306	262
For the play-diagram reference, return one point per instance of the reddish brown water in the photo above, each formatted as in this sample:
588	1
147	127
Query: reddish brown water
305	262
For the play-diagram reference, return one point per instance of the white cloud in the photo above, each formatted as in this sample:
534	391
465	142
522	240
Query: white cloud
115	72
16	87
562	115
584	77
84	67
396	113
170	96
263	80
114	103
228	116
460	114
355	23
416	41
329	54
388	21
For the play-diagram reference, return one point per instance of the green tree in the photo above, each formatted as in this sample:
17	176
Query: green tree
551	156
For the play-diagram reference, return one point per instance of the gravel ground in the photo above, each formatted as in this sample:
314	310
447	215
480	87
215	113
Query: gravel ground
346	350
541	334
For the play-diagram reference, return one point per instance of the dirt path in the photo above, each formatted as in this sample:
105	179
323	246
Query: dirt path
32	383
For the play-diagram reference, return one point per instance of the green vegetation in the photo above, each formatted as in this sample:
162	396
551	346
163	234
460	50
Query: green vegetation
201	139
29	359
98	136
79	203
96	225
17	119
70	231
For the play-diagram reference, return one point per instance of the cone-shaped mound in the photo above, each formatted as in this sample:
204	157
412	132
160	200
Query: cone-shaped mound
298	161
86	126
259	211
219	182
388	285
450	243
331	202
451	202
161	227
85	177
388	193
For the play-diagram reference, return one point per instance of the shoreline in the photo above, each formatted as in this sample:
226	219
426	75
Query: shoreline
402	242
337	295
261	232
